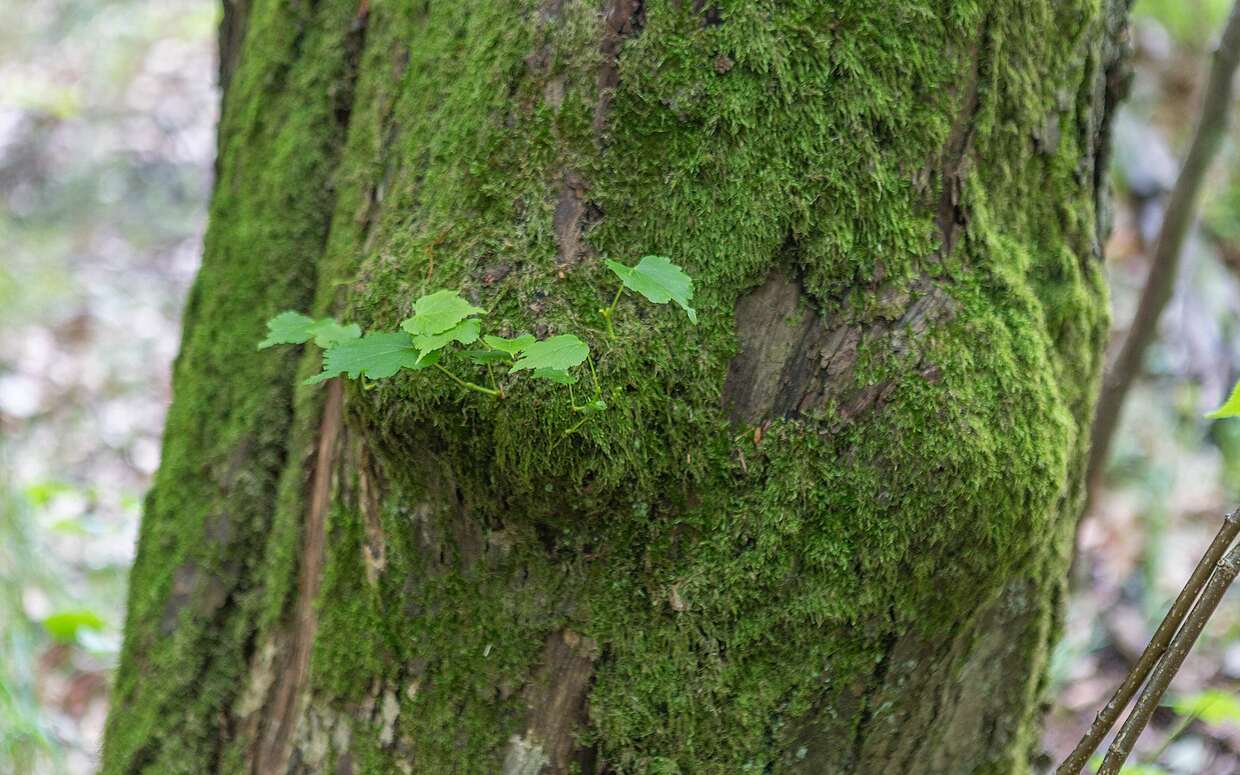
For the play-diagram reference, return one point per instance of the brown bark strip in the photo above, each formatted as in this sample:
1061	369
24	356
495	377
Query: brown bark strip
283	707
623	18
557	709
233	23
949	217
370	498
569	219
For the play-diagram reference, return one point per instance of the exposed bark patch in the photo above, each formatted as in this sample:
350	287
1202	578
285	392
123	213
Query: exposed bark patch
950	217
283	705
556	698
791	360
932	705
1110	87
947	703
622	19
233	24
569	219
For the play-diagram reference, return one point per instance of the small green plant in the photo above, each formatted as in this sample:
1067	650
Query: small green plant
443	323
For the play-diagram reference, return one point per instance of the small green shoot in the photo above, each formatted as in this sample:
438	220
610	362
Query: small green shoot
445	318
438	312
552	357
656	278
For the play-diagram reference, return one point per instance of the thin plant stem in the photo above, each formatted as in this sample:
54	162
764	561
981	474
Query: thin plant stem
1169	665
469	385
598	389
609	311
494	383
1154	651
1172	735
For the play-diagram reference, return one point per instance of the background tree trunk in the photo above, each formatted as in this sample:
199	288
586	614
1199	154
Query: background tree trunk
823	531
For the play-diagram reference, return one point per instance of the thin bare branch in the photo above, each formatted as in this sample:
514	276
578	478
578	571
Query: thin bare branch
1154	651
1160	679
1177	220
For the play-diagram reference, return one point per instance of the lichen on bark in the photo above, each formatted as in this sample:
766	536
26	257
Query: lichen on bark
822	531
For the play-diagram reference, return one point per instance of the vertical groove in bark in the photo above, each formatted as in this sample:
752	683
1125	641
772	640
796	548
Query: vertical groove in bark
284	706
556	699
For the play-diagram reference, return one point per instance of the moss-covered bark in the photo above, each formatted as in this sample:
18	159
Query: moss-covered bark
823	531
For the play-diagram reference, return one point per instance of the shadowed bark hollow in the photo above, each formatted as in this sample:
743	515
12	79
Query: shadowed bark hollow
823	531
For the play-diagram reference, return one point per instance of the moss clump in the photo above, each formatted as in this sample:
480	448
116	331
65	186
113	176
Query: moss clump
733	596
741	589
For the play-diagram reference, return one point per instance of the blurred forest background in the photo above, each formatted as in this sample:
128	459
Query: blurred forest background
107	111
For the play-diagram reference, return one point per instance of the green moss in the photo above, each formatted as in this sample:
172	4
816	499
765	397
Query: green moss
193	596
734	587
804	150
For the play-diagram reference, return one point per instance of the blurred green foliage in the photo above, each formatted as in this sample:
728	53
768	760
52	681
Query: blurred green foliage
1192	23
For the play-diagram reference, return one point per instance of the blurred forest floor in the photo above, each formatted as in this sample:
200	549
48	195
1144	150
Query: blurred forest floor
107	111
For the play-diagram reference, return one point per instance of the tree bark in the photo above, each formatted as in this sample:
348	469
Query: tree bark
824	531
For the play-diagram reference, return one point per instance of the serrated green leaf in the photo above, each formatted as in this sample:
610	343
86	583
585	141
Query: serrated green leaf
486	356
1229	409
1212	706
438	312
555	375
330	331
295	328
659	280
376	355
559	353
465	332
288	328
512	346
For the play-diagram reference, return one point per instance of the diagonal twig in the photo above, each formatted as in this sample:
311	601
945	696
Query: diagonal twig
1160	679
1155	649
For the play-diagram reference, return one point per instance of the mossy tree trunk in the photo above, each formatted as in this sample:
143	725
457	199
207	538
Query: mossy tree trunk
823	531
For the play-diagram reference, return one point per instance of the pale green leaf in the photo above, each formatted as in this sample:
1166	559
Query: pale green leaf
555	375
376	355
659	280
438	312
1212	706
512	347
330	331
1229	409
288	328
465	332
559	353
296	328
